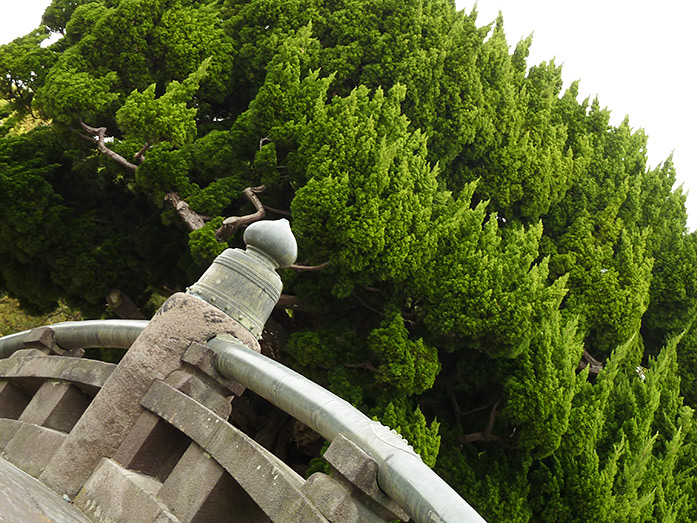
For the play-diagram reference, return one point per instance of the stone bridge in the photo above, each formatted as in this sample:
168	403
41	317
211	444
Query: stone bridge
154	438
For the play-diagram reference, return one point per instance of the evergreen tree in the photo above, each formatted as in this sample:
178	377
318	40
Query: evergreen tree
478	237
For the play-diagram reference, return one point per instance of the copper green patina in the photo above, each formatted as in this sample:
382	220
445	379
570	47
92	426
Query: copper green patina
244	284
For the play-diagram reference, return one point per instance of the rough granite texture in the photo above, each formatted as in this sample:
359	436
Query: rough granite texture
271	483
114	494
156	353
88	375
32	446
12	401
56	405
24	499
200	490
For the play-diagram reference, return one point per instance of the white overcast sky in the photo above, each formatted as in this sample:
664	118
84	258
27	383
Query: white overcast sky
637	56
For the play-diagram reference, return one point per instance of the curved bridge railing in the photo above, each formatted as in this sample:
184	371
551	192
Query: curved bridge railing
148	440
400	473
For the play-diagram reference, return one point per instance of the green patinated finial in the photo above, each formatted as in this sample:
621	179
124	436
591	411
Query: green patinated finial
274	239
244	284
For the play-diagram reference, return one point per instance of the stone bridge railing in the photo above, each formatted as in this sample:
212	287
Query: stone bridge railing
149	439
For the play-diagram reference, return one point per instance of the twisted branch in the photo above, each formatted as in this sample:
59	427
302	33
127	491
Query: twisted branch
365	365
139	156
233	223
191	219
100	133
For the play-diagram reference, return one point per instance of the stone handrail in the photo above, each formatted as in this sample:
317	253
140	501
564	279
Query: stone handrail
400	472
125	446
118	334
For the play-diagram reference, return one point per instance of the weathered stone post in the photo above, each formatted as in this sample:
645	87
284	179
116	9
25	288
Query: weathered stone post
235	296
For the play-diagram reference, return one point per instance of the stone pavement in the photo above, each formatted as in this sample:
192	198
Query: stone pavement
24	499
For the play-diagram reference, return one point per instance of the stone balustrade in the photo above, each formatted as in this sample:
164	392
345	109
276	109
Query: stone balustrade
150	440
181	460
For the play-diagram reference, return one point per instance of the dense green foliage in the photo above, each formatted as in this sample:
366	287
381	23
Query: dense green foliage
486	232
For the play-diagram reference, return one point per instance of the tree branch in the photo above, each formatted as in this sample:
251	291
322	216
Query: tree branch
594	366
486	434
492	418
455	405
308	268
139	156
278	211
476	409
365	365
190	218
64	310
364	304
99	133
232	224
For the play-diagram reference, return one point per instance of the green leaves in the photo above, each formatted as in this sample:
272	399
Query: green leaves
480	283
71	93
408	366
485	231
32	211
626	459
370	190
59	13
541	387
68	236
413	426
24	65
154	119
203	244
